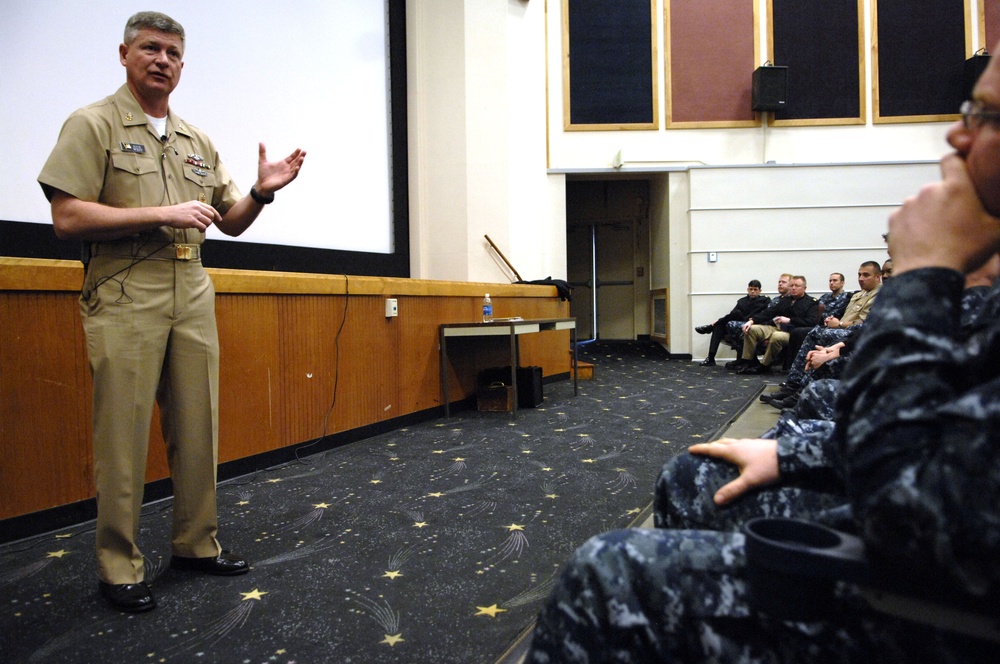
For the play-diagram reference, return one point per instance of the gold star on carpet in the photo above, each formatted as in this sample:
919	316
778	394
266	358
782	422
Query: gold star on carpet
634	511
392	640
280	651
321	506
63	536
438	452
589	461
392	574
254	594
459	459
436	494
374	481
274	481
525	451
57	554
490	611
243	502
512	527
420	524
621	470
547	469
553	496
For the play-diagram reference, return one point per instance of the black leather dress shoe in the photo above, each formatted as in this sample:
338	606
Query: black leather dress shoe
704	329
788	402
708	362
225	564
777	395
129	597
736	364
756	369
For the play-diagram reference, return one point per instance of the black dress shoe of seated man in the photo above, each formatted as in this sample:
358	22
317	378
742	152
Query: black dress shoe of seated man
225	564
704	329
128	597
756	369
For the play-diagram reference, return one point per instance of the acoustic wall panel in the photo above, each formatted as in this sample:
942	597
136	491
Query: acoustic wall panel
921	53
822	45
710	59
610	76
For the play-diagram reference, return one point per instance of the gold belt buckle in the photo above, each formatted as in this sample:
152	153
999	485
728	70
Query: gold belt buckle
183	252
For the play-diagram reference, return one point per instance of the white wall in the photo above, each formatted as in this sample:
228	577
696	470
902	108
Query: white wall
489	155
476	81
766	220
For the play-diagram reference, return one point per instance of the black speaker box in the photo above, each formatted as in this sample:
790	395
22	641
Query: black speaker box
770	87
974	68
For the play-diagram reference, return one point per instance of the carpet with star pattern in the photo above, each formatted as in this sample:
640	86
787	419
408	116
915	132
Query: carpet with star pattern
435	542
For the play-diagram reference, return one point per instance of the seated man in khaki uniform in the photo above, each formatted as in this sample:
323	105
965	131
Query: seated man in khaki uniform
797	310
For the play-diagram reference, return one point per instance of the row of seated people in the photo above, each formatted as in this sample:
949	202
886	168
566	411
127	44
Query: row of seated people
910	463
780	328
824	350
691	584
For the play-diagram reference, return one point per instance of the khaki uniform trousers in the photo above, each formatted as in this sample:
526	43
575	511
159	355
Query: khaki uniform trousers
776	341
151	335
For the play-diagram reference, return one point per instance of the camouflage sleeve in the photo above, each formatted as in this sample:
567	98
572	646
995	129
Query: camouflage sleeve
918	427
805	446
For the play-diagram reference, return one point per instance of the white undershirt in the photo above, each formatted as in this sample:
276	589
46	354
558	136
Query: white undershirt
159	124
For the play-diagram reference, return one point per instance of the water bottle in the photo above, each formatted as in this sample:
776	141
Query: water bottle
487	309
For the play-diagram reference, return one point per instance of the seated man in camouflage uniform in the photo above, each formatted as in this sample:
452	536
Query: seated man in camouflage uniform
918	442
834	302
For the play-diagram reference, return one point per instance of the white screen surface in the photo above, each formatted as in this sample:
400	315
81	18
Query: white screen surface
308	74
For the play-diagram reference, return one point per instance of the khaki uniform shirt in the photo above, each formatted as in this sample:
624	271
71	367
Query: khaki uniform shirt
108	153
858	307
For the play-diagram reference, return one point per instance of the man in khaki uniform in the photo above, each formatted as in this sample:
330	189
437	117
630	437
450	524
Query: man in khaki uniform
797	310
870	281
139	186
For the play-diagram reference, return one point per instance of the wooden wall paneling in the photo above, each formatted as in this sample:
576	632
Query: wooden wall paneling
250	418
277	335
417	325
369	365
709	63
309	369
43	374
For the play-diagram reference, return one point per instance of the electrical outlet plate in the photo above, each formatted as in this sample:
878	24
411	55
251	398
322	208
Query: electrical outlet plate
391	308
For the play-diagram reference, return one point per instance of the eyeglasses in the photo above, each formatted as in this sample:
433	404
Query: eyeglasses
973	115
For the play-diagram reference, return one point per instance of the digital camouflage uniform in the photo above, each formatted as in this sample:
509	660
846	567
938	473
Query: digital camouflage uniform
918	444
809	488
834	305
818	336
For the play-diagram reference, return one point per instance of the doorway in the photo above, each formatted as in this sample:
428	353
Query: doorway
607	245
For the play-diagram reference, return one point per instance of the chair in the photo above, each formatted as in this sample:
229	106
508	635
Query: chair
793	566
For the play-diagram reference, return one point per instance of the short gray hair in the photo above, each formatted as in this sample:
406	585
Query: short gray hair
152	21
